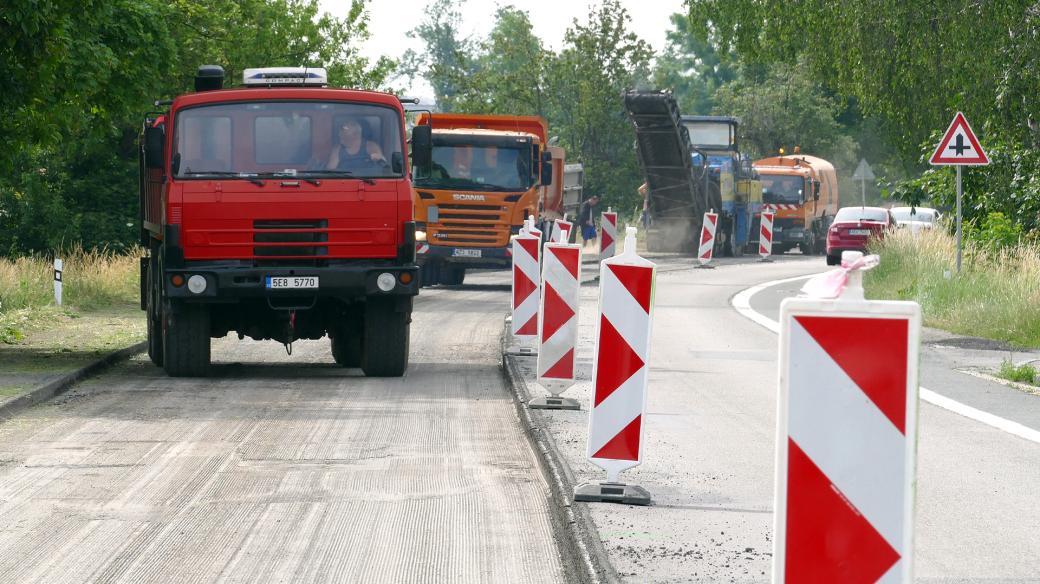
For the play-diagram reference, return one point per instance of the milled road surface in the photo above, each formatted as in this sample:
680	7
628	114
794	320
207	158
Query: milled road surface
285	469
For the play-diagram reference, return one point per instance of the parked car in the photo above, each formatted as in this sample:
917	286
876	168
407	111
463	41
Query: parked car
853	227
915	218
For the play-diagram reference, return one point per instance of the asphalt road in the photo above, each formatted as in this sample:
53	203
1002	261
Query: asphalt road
286	469
709	453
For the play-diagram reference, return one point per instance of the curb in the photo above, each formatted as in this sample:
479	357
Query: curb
61	384
585	557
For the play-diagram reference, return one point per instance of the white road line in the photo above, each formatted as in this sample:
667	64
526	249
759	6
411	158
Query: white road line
742	304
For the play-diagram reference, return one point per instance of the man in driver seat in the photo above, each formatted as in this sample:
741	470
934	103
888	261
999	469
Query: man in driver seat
355	151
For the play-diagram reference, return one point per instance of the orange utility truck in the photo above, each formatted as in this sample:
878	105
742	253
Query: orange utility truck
803	191
488	173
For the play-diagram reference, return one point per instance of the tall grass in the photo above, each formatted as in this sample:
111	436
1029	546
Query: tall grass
996	295
92	280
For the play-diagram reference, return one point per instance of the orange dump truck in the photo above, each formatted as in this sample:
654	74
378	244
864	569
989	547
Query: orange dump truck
803	191
488	174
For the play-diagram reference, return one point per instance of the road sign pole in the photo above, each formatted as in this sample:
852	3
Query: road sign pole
863	188
958	219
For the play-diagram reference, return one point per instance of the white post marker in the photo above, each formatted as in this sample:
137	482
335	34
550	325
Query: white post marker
846	433
765	234
561	231
620	374
959	147
558	324
707	247
59	265
608	235
526	289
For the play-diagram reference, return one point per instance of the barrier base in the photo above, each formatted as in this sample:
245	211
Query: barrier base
612	493
705	267
553	403
521	351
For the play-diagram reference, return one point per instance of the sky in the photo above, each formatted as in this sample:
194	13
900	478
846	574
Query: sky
390	20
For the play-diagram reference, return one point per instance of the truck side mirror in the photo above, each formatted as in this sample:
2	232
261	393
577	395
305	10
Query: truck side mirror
547	174
816	190
422	146
154	146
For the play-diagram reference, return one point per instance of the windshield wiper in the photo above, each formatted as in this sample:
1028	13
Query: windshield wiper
222	173
347	173
313	181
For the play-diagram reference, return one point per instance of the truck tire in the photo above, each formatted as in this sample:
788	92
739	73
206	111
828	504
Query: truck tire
384	348
346	342
429	274
453	276
186	340
153	314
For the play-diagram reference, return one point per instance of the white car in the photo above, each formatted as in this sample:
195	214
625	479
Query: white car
915	218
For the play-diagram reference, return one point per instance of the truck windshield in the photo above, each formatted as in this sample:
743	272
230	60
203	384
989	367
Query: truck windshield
710	134
778	188
479	167
308	138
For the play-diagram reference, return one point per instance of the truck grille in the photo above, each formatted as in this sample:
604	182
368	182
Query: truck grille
472	224
290	237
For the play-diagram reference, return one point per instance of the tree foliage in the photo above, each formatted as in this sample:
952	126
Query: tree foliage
910	67
693	68
88	71
784	108
577	89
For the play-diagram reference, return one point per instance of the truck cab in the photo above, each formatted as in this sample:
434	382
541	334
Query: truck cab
485	177
278	210
715	149
802	190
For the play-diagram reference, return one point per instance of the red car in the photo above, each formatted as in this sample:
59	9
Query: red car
853	227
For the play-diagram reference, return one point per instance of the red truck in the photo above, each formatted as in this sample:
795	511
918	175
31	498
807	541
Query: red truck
278	210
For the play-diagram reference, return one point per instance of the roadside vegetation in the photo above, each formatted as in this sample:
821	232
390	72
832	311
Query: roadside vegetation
1024	373
996	295
94	280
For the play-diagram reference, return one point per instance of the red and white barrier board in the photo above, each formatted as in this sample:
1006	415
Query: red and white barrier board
608	234
526	285
707	246
558	323
620	371
846	440
765	240
561	231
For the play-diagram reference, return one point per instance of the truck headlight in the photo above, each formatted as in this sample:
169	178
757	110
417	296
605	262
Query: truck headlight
420	236
197	284
386	281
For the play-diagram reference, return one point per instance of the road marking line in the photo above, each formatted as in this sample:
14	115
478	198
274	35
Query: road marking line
742	304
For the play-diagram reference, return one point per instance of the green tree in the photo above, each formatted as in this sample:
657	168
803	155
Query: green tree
692	68
785	108
911	64
600	59
447	61
88	71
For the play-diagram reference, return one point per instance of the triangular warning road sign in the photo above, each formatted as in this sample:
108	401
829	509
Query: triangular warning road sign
959	146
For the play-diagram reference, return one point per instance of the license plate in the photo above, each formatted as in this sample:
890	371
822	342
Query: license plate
466	253
859	232
291	282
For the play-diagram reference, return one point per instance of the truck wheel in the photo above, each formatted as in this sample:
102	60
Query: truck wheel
453	276
833	260
346	346
429	274
186	340
153	314
384	350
